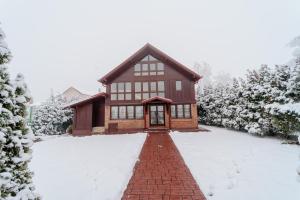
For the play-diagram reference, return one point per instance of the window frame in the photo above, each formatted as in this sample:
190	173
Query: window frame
118	107
183	111
143	67
125	93
176	88
149	89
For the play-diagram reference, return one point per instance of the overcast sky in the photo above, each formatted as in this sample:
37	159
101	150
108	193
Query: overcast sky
62	43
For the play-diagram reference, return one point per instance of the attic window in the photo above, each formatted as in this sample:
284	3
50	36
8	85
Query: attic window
149	66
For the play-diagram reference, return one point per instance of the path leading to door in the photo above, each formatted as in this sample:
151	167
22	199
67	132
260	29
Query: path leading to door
161	173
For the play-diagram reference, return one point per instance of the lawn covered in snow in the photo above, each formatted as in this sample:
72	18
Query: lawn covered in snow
85	168
229	165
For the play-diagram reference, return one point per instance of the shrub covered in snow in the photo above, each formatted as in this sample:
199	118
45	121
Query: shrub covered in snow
15	136
51	118
266	102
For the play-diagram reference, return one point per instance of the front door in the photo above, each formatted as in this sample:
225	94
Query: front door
157	115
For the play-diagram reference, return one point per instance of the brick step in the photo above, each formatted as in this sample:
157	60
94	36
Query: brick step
98	130
157	130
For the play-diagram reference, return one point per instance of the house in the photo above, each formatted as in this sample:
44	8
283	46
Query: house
69	96
72	95
148	91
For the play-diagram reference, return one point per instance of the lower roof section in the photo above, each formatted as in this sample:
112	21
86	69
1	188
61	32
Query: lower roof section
95	97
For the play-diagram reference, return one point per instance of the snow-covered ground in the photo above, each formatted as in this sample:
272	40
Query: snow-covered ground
229	165
85	168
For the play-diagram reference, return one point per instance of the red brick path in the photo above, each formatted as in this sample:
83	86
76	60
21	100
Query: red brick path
161	173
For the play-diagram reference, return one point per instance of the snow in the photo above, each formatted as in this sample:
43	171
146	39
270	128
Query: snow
231	165
92	167
289	107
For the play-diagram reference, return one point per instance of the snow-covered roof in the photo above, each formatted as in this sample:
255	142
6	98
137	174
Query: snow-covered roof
87	100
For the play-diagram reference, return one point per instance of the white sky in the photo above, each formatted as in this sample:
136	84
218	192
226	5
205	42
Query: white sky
62	43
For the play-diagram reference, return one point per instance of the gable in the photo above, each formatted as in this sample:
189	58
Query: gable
151	55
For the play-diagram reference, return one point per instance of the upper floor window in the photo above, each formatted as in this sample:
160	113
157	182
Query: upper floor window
178	85
120	91
149	66
145	90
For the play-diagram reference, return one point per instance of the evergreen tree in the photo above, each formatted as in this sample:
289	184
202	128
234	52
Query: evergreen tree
51	117
233	107
15	137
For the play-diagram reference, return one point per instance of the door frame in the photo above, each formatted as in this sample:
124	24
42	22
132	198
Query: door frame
164	115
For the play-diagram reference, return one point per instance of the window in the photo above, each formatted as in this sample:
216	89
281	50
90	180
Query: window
161	86
187	111
152	67
181	111
120	91
113	88
120	87
178	85
130	112
145	86
138	96
153	94
128	96
160	67
138	89
137	86
137	69
147	90
145	70
114	112
122	112
153	86
127	112
161	94
128	87
173	111
121	97
145	95
151	58
149	66
113	97
139	112
128	91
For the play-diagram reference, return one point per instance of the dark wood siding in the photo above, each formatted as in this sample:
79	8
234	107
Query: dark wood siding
98	113
84	117
186	95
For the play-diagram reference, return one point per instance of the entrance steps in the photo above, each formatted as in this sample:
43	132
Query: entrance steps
98	130
157	130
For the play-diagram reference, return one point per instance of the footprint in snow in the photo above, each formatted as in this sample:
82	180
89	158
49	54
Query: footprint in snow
211	189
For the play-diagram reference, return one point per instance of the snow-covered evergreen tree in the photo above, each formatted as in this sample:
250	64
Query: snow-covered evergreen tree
51	117
267	102
233	106
15	136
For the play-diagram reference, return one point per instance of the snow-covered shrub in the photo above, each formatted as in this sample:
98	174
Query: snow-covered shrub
15	136
285	117
246	104
51	118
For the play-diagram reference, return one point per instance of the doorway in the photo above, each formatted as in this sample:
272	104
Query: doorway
157	115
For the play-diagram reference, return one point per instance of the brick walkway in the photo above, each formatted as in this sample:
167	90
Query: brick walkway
161	173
